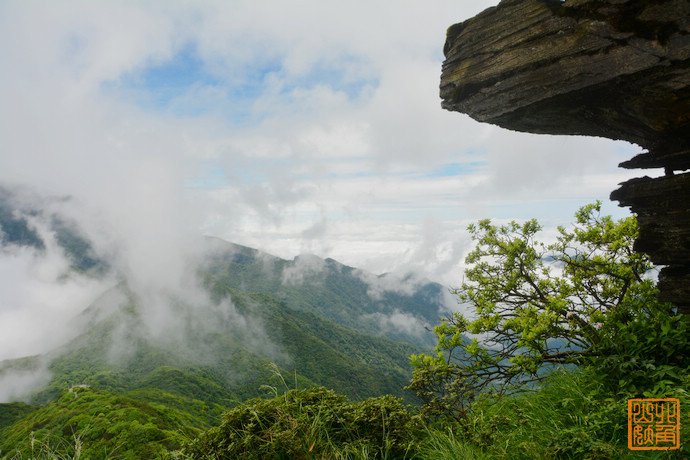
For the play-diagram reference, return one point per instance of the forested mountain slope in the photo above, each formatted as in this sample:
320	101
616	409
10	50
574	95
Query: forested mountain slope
160	366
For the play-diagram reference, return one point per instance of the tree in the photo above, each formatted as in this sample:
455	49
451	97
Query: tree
533	306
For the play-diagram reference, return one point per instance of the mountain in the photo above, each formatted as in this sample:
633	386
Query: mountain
248	324
396	307
149	395
223	364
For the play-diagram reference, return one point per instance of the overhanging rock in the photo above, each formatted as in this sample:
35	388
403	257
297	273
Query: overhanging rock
611	68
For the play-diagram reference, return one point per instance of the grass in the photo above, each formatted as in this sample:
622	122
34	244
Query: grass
572	415
50	448
447	444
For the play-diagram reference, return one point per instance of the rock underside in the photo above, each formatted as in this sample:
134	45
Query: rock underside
611	68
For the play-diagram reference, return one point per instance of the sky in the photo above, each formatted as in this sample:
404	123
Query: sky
292	127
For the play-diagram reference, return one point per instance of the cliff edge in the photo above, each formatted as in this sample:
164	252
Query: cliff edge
611	68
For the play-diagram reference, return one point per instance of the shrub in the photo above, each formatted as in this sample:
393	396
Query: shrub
312	423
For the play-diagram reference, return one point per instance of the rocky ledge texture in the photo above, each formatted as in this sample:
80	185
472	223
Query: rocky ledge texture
612	68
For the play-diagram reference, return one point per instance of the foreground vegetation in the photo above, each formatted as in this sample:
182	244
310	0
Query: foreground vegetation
560	337
572	415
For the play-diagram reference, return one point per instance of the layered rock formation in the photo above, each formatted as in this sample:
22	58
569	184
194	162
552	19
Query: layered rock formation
612	68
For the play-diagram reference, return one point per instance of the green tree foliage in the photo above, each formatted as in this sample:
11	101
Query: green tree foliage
311	423
584	299
11	412
94	424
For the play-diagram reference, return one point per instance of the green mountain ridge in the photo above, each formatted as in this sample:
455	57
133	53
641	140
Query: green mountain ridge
346	295
317	350
157	397
341	293
267	325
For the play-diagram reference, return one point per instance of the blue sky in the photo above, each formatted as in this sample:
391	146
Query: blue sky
275	126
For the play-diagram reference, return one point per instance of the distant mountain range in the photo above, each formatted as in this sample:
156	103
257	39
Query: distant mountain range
396	307
261	322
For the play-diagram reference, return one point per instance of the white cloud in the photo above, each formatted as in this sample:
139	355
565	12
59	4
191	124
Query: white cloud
40	298
399	322
378	286
302	269
17	384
